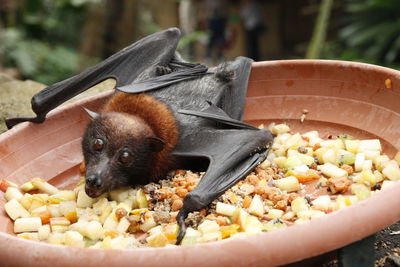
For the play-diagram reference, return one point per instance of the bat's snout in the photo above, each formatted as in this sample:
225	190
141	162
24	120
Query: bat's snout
93	186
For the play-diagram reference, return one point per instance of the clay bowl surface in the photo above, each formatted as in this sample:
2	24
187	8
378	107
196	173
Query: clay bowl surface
341	97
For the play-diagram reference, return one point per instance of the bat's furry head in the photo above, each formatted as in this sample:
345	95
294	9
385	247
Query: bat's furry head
119	150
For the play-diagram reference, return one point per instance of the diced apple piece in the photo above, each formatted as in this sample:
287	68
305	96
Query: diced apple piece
44	186
148	222
208	237
380	162
352	145
120	194
157	240
29	236
208	226
191	237
280	129
368	178
397	157
123	225
391	172
73	238
299	204
359	162
288	184
225	209
94	230
54	210
292	162
361	191
275	213
371	144
371	154
58	221
331	170
378	176
288	216
28	186
64	195
306	159
83	200
79	226
319	153
265	164
310	214
323	203
5	184
44	232
256	206
30	224
67	207
13	193
15	210
329	156
171	231
367	165
253	226
273	225
111	222
347	158
141	199
44	216
59	229
280	161
229	230
56	238
239	217
294	141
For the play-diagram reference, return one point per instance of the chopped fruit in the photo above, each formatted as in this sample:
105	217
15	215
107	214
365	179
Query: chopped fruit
256	206
44	186
5	184
31	224
289	184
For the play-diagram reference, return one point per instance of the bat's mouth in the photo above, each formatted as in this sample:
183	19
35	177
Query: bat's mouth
93	193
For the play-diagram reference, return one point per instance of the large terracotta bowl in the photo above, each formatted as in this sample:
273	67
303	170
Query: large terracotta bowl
341	97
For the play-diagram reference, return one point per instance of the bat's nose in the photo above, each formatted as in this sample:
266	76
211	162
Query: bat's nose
93	181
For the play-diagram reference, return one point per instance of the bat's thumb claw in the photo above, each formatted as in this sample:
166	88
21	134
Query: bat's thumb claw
182	227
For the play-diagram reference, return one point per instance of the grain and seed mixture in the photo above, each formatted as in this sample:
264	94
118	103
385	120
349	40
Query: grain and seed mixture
303	178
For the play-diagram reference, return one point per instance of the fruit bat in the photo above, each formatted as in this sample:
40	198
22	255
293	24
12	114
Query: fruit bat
166	113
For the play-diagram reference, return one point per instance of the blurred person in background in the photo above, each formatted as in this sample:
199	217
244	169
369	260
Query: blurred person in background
217	14
253	19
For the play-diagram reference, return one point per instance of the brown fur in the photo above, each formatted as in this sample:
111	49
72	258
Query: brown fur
157	116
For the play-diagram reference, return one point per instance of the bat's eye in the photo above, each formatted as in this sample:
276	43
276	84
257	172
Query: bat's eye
98	144
125	157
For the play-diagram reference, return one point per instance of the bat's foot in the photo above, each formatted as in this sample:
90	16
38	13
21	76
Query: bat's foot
162	70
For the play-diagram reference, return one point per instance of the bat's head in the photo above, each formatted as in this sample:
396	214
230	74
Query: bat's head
118	150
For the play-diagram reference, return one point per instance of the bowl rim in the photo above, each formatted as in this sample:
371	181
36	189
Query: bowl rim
277	247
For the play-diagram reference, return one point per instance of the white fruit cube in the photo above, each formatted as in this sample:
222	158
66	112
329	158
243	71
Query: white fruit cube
83	200
288	184
15	210
148	222
44	232
323	203
123	225
54	210
253	226
13	193
299	204
73	238
31	224
120	194
275	213
225	209
44	186
208	226
391	172
29	236
331	170
352	145
371	144
380	162
359	162
94	230
256	206
157	240
280	129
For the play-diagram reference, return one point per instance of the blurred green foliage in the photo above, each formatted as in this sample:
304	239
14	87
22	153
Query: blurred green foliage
42	43
370	33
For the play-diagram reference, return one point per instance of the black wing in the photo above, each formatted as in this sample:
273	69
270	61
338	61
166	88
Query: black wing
125	66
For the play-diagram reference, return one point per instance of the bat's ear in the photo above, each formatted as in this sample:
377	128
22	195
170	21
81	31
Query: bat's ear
92	114
156	144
